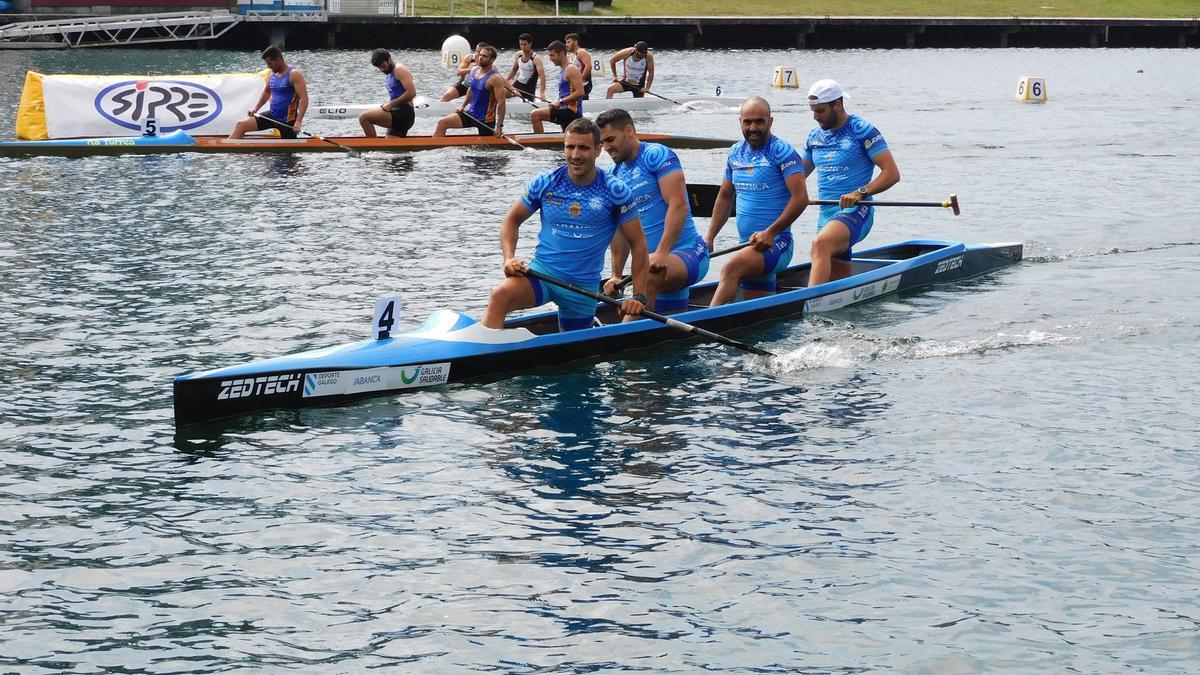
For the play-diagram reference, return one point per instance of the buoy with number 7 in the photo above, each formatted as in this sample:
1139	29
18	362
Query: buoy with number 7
1031	90
785	77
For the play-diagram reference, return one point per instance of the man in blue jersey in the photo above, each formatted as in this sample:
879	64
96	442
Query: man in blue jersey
397	115
844	152
288	93
767	177
569	106
484	107
678	254
582	208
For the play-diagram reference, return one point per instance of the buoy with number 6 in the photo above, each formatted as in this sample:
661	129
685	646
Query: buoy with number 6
784	77
454	50
1031	90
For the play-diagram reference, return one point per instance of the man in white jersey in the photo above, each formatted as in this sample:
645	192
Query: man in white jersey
579	56
527	72
637	71
844	152
459	88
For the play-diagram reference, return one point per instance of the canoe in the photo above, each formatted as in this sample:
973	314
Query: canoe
453	347
180	141
427	107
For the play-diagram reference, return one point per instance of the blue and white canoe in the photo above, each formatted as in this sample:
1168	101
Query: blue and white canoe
453	347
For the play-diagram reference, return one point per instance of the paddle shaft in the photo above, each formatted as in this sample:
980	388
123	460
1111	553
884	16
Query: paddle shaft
297	131
702	196
628	278
485	126
951	203
666	320
664	98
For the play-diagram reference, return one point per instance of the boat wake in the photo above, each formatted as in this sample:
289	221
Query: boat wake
705	107
859	348
1116	250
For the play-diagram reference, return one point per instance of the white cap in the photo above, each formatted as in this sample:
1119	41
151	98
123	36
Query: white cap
825	91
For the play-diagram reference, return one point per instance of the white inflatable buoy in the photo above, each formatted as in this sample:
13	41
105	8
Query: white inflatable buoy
1031	90
454	50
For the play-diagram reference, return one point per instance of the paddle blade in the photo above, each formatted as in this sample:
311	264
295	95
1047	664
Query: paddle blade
954	203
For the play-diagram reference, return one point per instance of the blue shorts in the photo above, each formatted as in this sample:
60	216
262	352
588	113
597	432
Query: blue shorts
775	260
575	311
695	257
857	219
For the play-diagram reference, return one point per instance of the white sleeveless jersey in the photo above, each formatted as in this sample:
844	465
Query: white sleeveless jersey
634	70
525	69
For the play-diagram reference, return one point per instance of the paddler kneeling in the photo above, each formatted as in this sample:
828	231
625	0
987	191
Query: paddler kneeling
679	255
582	208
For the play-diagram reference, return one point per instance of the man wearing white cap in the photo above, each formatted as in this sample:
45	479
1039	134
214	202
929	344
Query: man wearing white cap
844	151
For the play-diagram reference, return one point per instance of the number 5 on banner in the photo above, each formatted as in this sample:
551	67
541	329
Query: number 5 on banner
384	318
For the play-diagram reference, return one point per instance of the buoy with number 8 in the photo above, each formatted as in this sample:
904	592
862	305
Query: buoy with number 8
1031	90
454	50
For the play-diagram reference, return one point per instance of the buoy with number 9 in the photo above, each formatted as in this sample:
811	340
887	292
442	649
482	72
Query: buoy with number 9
454	50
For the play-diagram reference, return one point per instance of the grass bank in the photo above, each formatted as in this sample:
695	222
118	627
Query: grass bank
1162	9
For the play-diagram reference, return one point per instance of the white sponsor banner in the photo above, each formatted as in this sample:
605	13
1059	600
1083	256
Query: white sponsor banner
338	382
118	105
850	296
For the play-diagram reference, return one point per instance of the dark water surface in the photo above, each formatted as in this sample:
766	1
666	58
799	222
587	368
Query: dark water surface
996	476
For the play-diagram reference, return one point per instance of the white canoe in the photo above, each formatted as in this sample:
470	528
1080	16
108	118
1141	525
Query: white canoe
428	107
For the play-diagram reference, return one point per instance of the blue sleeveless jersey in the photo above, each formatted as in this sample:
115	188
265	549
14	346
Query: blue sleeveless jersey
564	90
283	96
843	157
758	177
578	221
394	86
482	107
652	163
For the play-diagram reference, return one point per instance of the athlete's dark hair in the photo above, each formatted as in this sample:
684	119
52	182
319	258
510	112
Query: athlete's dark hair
574	36
556	46
378	56
585	126
525	36
490	50
272	52
616	118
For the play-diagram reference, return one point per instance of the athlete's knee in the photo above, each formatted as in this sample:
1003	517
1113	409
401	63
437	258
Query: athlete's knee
824	248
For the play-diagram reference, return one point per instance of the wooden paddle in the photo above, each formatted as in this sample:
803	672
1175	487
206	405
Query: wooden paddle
666	320
628	278
352	151
703	196
485	126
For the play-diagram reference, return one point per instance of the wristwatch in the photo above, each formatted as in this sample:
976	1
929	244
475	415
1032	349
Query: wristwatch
640	297
863	191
